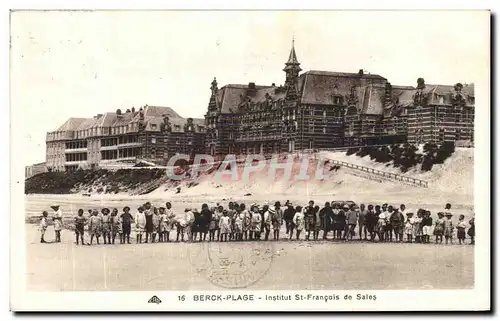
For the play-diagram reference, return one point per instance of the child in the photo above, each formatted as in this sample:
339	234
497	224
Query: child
156	224
448	228
317	223
148	226
80	222
426	227
43	226
418	226
127	219
461	226
57	221
410	221
218	214
298	221
140	225
472	231
115	226
352	220
397	220
195	228
277	220
245	225
238	226
214	225
189	217
171	219
292	226
255	224
95	226
269	212
163	223
380	228
225	227
439	228
106	228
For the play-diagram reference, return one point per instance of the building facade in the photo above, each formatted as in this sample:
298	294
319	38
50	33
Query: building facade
151	134
34	169
322	109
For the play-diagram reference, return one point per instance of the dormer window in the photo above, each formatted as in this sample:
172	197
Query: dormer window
337	100
153	126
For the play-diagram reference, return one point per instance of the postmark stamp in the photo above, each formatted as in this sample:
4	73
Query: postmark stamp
239	266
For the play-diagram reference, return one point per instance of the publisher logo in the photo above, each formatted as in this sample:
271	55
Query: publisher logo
154	299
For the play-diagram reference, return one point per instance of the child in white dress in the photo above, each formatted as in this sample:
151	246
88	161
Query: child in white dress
298	221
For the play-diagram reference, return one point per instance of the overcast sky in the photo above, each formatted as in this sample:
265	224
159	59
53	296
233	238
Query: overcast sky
79	64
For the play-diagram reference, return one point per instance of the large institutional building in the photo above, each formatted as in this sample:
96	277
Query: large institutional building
312	110
150	134
323	109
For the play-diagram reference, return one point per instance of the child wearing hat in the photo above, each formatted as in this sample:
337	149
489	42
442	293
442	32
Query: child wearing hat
80	222
298	221
57	219
439	228
95	226
448	228
127	219
106	228
461	226
43	226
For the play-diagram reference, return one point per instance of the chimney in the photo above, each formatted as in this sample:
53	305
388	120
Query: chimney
251	89
274	85
361	72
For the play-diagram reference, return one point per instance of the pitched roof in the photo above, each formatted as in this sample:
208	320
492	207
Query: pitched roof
229	96
160	111
320	87
292	58
71	124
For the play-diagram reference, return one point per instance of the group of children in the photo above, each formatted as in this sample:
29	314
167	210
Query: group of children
237	223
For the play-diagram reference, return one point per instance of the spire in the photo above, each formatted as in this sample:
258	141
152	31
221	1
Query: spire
292	69
293	62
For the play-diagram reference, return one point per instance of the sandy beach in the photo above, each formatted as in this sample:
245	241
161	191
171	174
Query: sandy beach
296	265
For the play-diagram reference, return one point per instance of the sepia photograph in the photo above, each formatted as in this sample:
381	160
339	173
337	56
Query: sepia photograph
322	160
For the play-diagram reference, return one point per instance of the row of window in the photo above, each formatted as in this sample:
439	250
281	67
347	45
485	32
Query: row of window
76	157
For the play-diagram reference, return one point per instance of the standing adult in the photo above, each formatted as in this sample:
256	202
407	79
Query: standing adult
363	212
206	218
309	219
288	217
371	221
326	216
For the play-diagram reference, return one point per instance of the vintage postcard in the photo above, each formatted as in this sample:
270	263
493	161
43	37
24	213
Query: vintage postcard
250	160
